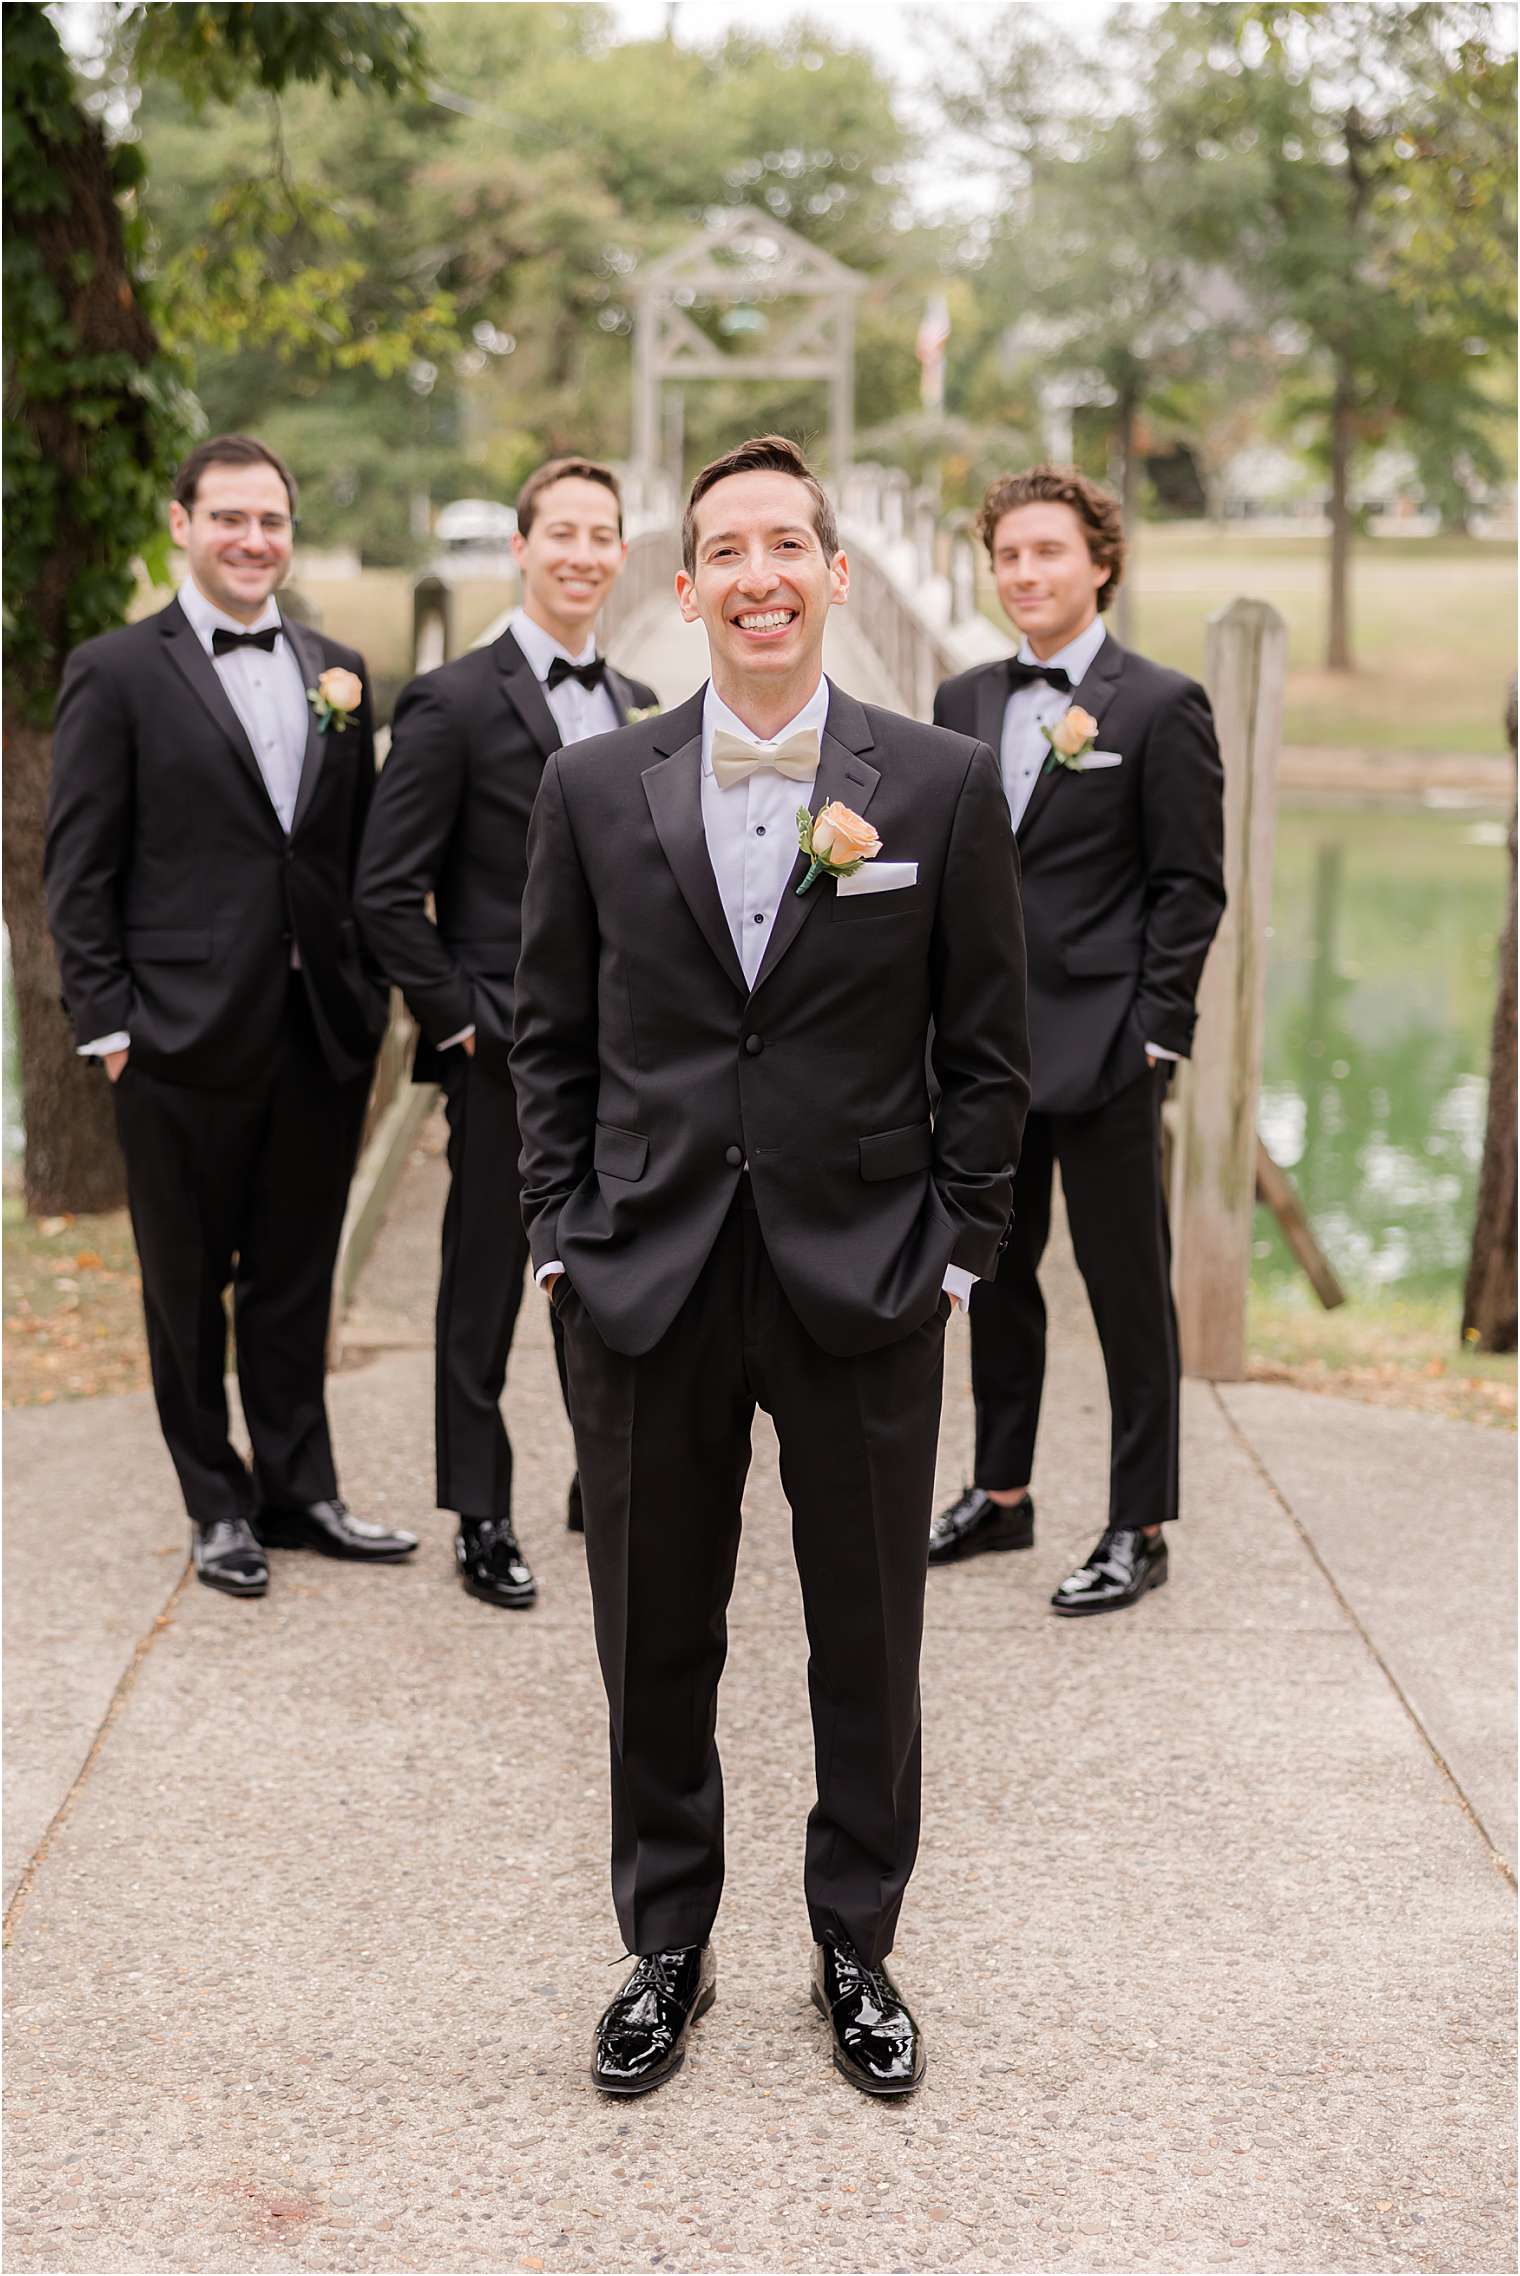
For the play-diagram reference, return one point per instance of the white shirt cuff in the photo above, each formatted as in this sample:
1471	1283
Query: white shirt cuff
958	1282
545	1271
463	1036
1160	1051
120	1041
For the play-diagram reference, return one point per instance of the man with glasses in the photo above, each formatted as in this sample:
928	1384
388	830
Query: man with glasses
212	768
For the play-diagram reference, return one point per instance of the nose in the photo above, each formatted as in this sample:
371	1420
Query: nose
758	575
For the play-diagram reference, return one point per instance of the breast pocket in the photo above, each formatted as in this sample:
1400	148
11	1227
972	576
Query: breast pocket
878	908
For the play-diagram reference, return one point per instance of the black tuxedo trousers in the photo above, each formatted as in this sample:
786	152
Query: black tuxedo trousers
663	1441
485	1251
247	1187
1110	1162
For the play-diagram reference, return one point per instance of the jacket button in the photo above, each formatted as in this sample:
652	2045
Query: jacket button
735	1157
753	1046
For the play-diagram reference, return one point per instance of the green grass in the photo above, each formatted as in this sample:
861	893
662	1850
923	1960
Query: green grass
1432	624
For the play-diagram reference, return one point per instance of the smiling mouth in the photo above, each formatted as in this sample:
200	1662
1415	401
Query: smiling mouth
766	620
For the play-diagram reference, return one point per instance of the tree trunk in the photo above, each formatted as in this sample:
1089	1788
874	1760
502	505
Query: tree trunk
72	1158
1489	1299
1338	640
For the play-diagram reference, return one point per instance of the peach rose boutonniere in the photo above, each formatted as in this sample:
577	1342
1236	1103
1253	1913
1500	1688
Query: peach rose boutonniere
1070	740
836	841
335	698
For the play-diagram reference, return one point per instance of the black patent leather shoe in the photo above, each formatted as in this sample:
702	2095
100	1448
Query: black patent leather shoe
641	2039
1124	1565
575	1515
228	1557
332	1528
491	1565
976	1522
877	2045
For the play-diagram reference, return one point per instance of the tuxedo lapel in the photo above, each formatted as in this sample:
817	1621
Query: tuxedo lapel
1095	694
308	654
621	694
842	774
673	787
526	691
991	704
197	668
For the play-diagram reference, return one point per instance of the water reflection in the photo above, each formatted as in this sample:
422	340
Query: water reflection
1379	999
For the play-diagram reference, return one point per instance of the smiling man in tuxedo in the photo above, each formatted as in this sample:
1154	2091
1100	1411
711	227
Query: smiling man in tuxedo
212	766
1113	780
737	1197
450	819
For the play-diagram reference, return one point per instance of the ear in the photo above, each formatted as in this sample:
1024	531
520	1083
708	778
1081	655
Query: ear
839	581
179	523
519	545
686	597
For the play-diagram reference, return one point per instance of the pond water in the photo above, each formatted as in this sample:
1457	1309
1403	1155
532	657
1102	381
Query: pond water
1379	998
1380	995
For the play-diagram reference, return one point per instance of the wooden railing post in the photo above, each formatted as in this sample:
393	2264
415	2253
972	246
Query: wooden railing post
1213	1155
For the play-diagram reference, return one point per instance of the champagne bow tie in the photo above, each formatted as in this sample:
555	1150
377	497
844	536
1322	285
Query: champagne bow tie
734	760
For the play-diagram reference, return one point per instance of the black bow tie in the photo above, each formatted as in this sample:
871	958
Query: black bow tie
590	675
1022	675
224	642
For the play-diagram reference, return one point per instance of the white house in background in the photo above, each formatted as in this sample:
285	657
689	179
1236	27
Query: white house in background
474	525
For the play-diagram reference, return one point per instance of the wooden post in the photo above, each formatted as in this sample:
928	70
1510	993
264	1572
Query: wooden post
1213	1181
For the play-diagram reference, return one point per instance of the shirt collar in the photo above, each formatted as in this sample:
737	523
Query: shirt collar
1076	658
716	714
541	647
206	618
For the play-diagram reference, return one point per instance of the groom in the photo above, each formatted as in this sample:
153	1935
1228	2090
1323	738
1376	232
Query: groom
736	1196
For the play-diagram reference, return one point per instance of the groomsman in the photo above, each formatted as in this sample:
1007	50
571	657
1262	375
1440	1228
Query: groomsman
1113	780
212	766
737	1196
450	819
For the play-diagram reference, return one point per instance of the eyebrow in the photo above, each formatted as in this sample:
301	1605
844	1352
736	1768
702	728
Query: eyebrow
781	529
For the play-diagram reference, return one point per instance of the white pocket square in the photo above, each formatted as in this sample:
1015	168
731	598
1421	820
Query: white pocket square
879	877
1102	759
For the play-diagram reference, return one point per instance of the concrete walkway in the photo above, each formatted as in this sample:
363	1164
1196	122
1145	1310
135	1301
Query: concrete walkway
1210	1934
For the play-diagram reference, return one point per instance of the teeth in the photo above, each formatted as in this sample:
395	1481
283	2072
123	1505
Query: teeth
766	623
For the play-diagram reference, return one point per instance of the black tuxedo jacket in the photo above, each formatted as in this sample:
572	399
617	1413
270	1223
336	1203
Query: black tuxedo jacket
173	892
1123	873
647	1073
450	818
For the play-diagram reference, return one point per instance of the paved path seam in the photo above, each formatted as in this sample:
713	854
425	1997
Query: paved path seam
1499	1863
125	1685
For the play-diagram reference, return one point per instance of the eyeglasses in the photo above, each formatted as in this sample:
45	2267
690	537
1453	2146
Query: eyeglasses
273	526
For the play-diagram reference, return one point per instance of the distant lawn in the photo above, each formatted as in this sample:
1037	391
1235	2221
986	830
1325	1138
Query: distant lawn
1432	627
1387	1351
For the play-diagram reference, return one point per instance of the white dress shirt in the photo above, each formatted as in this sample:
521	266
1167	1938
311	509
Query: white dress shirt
268	693
751	833
578	711
1024	750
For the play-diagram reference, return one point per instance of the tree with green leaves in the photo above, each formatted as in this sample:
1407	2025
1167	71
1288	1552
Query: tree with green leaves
98	415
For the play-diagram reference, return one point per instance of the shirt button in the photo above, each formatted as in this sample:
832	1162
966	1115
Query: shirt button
759	917
759	829
735	1157
753	1046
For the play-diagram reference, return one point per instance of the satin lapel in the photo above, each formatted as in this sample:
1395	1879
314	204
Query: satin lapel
191	658
991	704
1095	694
621	693
308	654
842	774
526	691
673	787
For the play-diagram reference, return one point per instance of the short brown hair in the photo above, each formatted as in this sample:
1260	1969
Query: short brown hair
1095	508
228	450
762	454
560	470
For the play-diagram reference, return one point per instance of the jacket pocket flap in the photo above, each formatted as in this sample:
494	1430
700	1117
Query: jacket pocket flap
166	946
621	1153
897	1153
1089	959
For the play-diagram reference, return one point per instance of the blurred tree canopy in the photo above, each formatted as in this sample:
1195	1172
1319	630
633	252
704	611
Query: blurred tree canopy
504	203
